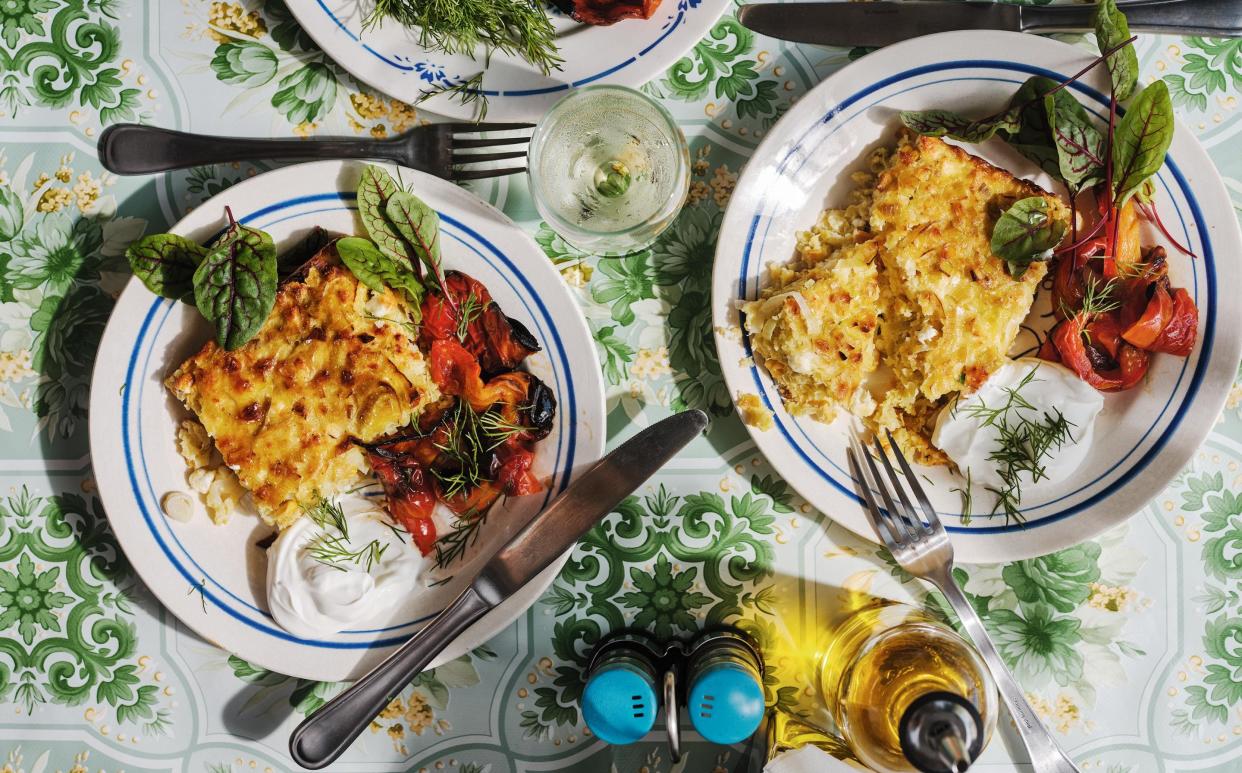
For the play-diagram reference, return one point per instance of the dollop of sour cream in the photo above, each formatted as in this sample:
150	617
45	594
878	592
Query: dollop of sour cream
309	598
963	436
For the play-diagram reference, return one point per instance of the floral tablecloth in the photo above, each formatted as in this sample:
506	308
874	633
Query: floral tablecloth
1130	645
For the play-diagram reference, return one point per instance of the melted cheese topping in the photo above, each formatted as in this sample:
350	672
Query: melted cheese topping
334	363
899	292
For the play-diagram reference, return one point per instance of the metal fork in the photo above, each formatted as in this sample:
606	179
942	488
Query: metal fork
923	549
129	148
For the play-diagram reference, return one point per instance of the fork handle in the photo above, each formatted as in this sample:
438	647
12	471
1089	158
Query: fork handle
129	148
1046	755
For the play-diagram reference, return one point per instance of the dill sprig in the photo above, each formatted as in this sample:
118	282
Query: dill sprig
467	312
465	532
517	27
331	546
464	449
1100	298
328	516
498	429
468	92
968	498
471	436
334	550
1023	443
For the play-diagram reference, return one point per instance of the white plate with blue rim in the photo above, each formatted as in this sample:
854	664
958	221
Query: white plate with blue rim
213	577
1143	437
389	58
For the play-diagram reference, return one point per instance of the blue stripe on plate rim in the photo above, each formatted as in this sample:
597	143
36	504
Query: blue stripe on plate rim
683	7
148	502
1206	253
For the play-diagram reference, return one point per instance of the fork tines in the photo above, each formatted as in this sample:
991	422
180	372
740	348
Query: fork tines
464	143
897	522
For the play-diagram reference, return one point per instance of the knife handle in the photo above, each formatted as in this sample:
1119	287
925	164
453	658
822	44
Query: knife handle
1212	18
324	735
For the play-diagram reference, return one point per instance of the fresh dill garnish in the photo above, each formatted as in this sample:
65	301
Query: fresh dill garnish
467	312
467	92
479	27
397	530
328	516
464	449
334	550
1023	443
497	428
968	498
441	581
1099	297
465	532
471	436
331	546
202	597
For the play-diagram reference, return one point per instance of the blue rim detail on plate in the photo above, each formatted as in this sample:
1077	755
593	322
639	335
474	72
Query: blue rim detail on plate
567	415
1207	332
683	7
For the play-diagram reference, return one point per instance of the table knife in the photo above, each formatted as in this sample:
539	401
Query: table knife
324	735
882	23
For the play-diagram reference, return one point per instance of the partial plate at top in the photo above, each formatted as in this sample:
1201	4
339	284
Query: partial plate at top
1143	437
389	58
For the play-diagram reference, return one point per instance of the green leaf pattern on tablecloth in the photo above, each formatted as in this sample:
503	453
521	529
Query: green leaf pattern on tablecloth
1217	692
65	630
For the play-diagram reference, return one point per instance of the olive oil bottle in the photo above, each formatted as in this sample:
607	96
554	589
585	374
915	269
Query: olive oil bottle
906	692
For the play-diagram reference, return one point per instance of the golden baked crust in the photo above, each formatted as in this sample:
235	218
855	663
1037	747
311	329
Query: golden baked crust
335	361
913	251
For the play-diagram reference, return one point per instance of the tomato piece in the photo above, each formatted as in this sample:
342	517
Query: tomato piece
439	319
1178	336
513	471
411	495
1067	337
1105	332
1133	364
454	369
1145	330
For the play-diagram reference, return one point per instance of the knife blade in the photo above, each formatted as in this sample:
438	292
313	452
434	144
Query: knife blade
323	736
876	24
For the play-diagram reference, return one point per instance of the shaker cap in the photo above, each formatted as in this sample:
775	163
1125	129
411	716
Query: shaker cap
941	732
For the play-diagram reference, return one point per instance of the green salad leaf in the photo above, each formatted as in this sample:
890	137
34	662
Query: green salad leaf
379	271
1026	233
374	190
1112	29
419	226
1081	149
165	263
235	285
946	123
1142	139
1033	138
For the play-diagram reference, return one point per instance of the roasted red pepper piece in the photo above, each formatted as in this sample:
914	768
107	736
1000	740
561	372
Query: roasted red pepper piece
1131	362
453	368
411	496
1178	336
1144	331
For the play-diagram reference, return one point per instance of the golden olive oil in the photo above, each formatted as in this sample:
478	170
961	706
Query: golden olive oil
883	659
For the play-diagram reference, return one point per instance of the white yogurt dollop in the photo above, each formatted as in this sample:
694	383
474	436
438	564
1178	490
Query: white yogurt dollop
965	439
309	598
